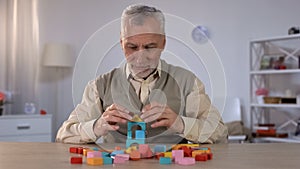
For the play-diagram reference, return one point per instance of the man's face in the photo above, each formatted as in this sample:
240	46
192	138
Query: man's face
143	50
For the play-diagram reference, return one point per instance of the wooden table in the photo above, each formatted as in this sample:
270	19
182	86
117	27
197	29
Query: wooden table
231	156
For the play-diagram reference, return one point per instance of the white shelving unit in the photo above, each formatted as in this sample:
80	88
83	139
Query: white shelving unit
274	79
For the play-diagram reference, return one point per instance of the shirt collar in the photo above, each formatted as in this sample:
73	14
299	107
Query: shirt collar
129	75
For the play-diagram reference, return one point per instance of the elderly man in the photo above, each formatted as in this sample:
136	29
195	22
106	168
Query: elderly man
169	99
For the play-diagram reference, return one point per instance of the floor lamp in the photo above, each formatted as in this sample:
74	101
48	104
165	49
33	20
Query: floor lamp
57	56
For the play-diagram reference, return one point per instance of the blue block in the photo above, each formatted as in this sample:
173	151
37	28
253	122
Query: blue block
165	160
95	149
131	123
140	134
160	148
105	154
107	160
117	152
129	134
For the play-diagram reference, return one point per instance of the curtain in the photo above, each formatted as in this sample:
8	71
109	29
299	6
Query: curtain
21	52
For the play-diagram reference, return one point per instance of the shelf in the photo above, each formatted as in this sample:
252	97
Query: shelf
286	71
276	105
286	37
275	139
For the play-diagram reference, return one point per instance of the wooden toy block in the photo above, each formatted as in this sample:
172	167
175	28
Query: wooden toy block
129	142
203	149
187	151
178	146
73	149
118	148
107	160
187	161
140	134
141	124
177	155
160	148
94	161
145	151
119	160
93	154
201	157
95	149
80	150
125	156
136	118
105	154
130	149
85	151
196	152
209	156
117	152
135	155
165	160
76	160
168	154
158	155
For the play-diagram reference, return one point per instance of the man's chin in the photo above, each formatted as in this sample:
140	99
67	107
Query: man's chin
143	74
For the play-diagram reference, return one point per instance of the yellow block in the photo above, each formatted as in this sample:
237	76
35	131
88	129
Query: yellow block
136	118
177	146
94	161
130	149
168	154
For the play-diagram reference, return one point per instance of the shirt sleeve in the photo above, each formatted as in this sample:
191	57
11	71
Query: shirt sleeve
79	126
203	123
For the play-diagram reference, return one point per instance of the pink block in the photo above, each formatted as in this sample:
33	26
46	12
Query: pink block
93	154
119	160
187	161
125	156
177	155
145	151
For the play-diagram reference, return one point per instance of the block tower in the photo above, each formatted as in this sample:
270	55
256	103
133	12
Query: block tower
139	134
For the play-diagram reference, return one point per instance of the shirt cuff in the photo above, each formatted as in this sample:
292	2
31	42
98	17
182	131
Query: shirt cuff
189	127
88	127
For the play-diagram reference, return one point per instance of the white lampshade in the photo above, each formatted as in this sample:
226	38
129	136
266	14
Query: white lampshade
57	55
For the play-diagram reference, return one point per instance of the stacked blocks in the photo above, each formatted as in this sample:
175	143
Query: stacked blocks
139	134
181	154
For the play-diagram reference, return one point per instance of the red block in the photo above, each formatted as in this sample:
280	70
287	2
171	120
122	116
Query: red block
76	160
187	151
158	155
80	150
73	149
209	156
201	157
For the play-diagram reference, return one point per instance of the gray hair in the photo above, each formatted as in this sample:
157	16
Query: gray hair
138	13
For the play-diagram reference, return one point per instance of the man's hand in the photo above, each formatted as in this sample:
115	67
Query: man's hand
163	115
108	121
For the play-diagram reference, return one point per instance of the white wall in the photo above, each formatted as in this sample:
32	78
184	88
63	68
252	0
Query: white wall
2	43
232	24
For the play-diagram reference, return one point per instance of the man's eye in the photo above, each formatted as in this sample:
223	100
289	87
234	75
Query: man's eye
150	47
132	47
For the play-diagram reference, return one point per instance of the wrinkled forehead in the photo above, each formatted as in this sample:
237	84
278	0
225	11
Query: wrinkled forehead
136	26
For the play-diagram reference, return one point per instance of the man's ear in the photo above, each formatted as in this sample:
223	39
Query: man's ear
164	43
121	41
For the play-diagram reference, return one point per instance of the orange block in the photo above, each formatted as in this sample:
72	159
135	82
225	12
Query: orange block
118	148
94	161
135	155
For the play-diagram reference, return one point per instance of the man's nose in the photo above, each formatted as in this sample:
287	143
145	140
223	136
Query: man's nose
141	56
